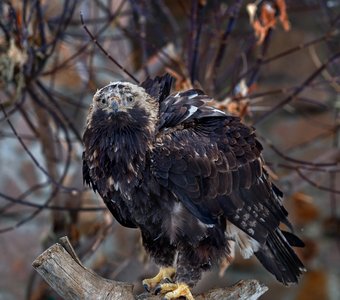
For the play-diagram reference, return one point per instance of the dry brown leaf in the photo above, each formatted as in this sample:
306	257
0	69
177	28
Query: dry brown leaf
304	209
309	251
260	31
236	107
267	18
241	109
314	286
283	14
331	226
181	82
267	21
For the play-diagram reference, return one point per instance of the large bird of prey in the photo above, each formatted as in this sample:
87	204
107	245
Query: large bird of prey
190	177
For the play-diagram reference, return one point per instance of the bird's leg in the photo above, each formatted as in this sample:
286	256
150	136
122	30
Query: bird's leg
164	274
174	291
188	273
163	253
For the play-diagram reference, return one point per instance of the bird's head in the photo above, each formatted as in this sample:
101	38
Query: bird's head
123	104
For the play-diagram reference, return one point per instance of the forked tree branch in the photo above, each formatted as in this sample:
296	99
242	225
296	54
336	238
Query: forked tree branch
62	270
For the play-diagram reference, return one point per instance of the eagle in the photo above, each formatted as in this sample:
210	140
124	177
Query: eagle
190	177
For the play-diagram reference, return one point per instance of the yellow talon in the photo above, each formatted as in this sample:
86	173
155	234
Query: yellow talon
175	290
164	273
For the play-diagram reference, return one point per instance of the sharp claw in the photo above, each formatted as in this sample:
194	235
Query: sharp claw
158	289
174	291
164	275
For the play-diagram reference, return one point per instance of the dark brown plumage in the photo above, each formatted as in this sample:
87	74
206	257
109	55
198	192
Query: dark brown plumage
189	176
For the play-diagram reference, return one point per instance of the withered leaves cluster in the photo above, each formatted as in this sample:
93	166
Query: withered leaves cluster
264	17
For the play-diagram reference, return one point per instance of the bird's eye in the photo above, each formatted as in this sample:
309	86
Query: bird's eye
129	99
103	101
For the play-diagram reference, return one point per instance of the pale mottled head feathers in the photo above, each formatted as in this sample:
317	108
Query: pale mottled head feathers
126	97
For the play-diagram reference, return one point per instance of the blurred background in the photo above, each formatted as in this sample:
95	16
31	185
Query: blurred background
274	63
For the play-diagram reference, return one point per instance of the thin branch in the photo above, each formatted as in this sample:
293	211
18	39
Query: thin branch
195	32
298	90
35	161
294	160
235	9
82	48
284	53
109	56
50	207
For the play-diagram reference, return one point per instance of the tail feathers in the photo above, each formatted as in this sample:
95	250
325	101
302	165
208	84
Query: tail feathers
279	258
292	239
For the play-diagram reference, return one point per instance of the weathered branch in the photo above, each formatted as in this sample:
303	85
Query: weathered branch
63	271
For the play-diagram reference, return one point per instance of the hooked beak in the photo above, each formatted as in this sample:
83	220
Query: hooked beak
114	106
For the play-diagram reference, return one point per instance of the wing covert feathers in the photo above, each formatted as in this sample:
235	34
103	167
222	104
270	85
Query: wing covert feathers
213	165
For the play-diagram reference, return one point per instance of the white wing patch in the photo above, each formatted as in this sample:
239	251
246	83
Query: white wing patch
193	96
215	110
192	110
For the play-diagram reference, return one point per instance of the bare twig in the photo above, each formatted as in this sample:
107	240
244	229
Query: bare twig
233	14
299	89
20	201
197	12
109	56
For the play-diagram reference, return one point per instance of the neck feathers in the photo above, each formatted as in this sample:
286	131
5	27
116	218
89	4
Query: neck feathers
116	150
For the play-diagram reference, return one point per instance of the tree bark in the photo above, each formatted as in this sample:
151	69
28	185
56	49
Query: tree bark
62	270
